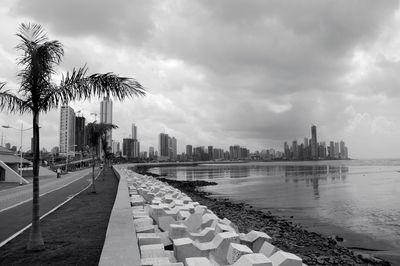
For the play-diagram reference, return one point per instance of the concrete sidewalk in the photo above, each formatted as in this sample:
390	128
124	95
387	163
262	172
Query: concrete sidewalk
14	196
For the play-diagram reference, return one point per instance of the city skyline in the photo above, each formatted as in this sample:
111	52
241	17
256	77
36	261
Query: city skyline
240	83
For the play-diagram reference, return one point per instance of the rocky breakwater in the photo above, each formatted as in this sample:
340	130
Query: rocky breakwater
313	248
173	229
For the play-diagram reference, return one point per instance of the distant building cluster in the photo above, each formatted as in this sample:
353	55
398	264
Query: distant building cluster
168	147
311	149
74	138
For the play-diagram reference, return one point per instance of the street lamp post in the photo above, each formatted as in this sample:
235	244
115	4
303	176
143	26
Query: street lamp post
20	151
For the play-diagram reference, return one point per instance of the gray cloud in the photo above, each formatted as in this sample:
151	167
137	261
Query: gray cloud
114	21
233	71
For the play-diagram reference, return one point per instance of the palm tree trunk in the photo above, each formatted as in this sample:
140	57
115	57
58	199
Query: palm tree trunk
93	163
35	242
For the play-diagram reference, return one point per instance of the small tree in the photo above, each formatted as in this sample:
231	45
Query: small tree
38	94
97	136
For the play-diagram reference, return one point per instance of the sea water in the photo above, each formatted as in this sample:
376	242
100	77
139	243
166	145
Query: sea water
362	196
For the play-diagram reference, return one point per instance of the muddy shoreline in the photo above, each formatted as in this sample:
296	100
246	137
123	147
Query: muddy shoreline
313	248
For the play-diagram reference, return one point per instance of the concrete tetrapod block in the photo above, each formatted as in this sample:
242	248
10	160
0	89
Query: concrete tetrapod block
218	247
282	258
255	259
152	251
267	249
156	211
219	228
200	209
229	222
208	220
154	261
235	251
254	239
197	261
177	231
184	248
206	235
164	238
137	200
170	264
164	222
148	238
182	215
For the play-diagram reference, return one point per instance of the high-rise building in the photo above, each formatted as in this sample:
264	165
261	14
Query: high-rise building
130	148
163	148
343	150
80	133
134	131
314	143
189	152
286	150
295	149
115	147
136	149
336	150
210	153
151	153
106	117
331	150
67	130
173	148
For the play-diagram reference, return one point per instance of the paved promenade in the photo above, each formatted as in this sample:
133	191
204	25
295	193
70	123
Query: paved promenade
16	203
11	197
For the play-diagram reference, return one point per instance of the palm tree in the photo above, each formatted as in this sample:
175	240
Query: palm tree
38	94
97	136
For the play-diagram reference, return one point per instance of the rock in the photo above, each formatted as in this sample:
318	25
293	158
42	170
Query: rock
339	239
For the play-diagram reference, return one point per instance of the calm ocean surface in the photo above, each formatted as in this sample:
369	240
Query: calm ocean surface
361	196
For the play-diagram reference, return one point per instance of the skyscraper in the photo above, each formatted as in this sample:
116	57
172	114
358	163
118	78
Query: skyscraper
134	131
314	143
67	130
295	149
173	148
189	152
163	147
210	153
106	117
80	133
151	153
115	147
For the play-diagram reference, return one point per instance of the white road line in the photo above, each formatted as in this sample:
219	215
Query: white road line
22	202
47	213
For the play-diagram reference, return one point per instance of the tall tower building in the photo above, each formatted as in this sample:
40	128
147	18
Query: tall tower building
174	148
80	133
134	131
106	116
189	152
151	153
314	143
67	130
163	147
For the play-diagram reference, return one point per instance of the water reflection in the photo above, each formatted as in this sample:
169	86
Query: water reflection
309	174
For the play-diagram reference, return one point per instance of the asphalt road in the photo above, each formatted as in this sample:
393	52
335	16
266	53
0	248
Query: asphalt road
13	220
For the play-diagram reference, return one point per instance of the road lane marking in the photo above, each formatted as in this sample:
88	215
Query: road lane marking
47	213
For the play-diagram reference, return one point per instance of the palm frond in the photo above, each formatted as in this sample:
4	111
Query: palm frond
30	33
97	131
12	103
50	98
80	86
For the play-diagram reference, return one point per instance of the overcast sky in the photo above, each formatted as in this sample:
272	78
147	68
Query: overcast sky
253	73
